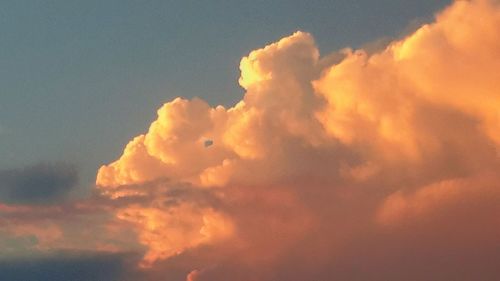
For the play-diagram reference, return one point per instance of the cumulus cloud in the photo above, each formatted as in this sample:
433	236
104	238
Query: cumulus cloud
359	165
41	183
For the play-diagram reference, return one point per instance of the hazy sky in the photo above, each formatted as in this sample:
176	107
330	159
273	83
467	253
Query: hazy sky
79	77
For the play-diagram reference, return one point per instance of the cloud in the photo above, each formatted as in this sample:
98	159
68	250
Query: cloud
357	165
41	183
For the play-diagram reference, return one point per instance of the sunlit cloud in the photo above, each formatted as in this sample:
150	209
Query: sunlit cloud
327	159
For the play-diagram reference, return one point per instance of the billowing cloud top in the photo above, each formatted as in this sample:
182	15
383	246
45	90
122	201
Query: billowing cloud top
383	164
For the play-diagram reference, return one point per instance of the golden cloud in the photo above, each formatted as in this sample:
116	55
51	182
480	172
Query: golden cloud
320	159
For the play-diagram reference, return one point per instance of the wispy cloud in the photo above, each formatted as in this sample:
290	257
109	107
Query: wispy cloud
39	183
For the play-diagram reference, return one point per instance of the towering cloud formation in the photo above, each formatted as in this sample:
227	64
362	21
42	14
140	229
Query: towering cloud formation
381	164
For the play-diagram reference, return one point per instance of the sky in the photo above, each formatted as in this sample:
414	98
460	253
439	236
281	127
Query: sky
87	75
327	140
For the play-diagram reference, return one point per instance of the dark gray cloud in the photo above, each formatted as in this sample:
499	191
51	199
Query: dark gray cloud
40	183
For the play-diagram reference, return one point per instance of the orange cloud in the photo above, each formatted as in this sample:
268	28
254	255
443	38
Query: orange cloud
170	231
325	166
434	198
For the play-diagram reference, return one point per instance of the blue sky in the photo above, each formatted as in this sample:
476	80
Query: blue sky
78	79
